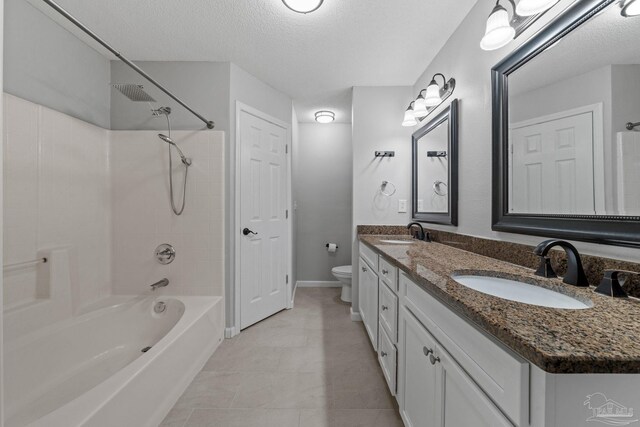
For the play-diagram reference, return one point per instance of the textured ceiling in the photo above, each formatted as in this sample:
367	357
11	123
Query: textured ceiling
607	39
313	58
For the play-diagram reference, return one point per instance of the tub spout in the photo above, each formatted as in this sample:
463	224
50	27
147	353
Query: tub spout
160	284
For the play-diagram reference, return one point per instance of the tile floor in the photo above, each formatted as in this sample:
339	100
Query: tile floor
307	367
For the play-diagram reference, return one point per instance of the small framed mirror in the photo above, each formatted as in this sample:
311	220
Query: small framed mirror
565	144
435	169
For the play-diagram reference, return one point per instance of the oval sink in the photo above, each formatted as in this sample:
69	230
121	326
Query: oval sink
396	242
513	290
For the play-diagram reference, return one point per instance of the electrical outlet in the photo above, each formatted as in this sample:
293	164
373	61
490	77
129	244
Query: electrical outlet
420	205
402	206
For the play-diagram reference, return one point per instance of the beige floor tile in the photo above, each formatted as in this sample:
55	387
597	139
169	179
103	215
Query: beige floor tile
244	358
211	390
177	417
284	390
349	418
244	418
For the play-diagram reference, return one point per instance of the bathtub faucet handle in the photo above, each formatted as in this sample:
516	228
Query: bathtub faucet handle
160	284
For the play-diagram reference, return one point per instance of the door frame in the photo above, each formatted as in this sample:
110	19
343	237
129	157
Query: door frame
597	112
240	108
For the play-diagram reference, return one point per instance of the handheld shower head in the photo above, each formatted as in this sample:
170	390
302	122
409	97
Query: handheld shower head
185	159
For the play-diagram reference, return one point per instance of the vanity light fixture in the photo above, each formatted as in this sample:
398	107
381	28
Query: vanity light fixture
325	116
499	31
420	105
409	116
432	97
533	7
303	6
630	8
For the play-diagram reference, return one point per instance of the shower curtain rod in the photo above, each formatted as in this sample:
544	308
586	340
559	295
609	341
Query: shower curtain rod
137	69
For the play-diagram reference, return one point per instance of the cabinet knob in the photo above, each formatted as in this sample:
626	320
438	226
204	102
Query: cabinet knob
364	269
383	354
427	351
384	308
433	359
385	271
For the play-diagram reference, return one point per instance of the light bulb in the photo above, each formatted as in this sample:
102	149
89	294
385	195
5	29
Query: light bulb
420	106
409	117
303	6
631	8
533	7
499	32
432	97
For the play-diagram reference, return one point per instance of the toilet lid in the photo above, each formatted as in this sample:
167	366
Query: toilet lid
343	269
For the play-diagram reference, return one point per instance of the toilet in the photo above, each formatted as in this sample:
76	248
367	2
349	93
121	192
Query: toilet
343	274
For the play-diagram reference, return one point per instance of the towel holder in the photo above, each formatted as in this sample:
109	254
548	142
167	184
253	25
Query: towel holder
632	126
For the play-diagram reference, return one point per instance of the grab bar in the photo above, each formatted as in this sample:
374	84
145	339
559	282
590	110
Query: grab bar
24	264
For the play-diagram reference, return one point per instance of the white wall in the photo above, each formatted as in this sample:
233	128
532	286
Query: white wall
1	215
143	219
248	90
57	193
377	118
323	198
462	58
46	64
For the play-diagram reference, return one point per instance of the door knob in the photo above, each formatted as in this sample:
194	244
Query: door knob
383	353
426	351
433	359
246	232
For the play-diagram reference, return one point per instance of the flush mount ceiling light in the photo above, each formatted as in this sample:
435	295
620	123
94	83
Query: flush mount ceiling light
409	116
499	31
630	8
325	116
533	7
303	6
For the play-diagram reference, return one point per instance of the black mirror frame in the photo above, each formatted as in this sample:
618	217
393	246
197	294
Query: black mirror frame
609	229
451	216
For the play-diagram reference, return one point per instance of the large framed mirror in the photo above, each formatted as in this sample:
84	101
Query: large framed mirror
435	169
564	162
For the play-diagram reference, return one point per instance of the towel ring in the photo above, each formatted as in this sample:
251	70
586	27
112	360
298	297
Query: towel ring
384	185
437	188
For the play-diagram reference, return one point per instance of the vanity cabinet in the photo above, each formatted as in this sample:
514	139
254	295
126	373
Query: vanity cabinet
368	299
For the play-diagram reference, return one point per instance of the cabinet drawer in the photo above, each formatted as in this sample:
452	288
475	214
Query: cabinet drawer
502	374
388	311
387	356
389	274
369	255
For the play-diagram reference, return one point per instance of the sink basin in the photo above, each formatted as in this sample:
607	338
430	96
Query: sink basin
396	242
513	290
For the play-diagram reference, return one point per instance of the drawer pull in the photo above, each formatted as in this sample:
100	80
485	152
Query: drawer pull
383	354
384	308
433	359
385	271
427	351
364	269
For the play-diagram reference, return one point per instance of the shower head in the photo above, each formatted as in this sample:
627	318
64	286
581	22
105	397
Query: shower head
185	159
134	92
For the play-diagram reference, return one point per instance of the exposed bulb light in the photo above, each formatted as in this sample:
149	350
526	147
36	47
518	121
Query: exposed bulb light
533	7
499	31
325	116
630	8
303	6
420	105
409	116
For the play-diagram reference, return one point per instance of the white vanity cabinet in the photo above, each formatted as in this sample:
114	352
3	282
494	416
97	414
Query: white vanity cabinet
368	292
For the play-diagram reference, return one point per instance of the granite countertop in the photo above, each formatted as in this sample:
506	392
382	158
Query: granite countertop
602	339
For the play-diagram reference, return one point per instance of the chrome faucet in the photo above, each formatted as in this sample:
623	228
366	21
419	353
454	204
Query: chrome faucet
160	284
575	273
419	234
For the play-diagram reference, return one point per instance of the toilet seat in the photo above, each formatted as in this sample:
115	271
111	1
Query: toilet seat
342	271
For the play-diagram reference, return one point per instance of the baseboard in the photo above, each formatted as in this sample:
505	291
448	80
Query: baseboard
230	332
318	284
355	316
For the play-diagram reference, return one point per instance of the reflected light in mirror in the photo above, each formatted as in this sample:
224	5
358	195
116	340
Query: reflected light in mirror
533	7
630	8
498	32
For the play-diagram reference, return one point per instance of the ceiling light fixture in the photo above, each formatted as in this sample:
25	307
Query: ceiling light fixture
533	7
325	116
409	116
499	31
303	6
630	8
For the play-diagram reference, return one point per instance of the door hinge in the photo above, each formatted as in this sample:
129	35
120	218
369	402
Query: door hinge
287	279
286	214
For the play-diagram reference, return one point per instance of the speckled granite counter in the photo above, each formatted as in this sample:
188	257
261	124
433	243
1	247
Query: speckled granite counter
601	339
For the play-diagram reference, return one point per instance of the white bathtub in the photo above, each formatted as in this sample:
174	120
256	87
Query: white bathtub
91	371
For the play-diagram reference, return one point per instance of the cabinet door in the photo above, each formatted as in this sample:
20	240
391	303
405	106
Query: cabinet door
417	377
368	288
463	403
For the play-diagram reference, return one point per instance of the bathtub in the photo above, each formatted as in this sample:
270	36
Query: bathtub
120	365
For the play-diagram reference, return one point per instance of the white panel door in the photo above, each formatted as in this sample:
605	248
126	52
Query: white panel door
552	167
263	223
